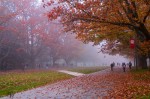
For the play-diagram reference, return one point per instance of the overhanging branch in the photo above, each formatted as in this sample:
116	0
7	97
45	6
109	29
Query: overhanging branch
103	22
147	14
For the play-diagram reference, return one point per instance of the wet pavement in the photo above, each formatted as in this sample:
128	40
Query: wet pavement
90	86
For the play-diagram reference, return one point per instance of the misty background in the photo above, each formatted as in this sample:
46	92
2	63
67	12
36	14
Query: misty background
28	40
93	56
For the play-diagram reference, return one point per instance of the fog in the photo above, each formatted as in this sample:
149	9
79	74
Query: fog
93	57
30	41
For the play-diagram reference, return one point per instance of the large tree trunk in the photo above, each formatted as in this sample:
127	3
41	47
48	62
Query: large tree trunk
144	31
141	62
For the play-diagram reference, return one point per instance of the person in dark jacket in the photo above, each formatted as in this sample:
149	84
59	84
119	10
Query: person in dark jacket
124	66
112	66
130	65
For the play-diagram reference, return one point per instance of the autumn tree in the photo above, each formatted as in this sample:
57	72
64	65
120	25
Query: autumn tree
53	41
114	21
21	40
71	49
61	45
28	39
8	35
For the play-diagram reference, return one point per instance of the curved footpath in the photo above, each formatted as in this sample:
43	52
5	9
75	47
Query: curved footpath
90	86
71	73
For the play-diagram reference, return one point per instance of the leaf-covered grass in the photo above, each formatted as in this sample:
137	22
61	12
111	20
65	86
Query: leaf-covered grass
133	85
139	70
143	76
13	82
144	97
87	70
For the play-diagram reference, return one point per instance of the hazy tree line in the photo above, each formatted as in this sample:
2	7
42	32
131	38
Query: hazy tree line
28	40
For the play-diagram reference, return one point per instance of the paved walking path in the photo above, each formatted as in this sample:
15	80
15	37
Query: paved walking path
71	73
91	86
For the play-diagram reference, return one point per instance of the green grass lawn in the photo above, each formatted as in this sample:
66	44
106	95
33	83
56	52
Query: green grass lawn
87	70
13	82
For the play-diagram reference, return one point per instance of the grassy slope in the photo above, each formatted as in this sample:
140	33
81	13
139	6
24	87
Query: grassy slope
142	75
130	85
12	82
87	70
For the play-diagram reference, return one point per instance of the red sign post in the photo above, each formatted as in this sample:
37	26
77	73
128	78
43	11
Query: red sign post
132	43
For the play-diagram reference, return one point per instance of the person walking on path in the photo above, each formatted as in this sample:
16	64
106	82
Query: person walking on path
124	67
112	65
130	65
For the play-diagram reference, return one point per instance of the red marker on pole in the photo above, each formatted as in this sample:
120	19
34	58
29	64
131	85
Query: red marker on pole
132	43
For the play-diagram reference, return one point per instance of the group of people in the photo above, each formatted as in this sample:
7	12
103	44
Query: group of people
123	65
